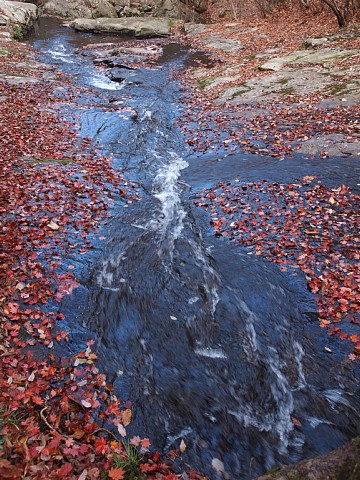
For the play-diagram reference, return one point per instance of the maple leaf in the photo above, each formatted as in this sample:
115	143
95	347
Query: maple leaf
116	473
101	446
145	443
65	469
37	400
135	441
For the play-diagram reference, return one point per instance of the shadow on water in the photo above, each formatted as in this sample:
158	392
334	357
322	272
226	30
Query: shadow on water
214	346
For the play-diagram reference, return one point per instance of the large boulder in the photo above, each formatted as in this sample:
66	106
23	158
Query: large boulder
81	8
21	15
140	27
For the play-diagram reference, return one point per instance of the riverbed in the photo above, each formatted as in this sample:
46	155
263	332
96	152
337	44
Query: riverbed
215	346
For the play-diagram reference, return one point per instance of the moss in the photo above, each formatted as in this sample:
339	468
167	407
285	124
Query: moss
273	470
204	82
287	91
59	161
238	93
282	81
336	89
18	75
4	52
241	91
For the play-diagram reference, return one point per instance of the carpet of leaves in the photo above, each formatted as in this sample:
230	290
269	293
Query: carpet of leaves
274	127
302	226
58	416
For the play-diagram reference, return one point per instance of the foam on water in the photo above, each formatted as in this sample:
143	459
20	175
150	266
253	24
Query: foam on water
165	188
101	81
210	352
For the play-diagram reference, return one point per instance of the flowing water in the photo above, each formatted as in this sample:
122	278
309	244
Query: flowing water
214	346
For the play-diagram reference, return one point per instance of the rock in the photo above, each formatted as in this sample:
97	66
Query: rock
224	44
322	57
130	12
334	144
176	9
5	36
140	27
340	464
119	74
112	62
291	81
4	21
17	79
20	15
194	28
314	42
81	8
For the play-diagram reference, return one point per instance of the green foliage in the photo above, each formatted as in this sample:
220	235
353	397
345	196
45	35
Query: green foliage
17	32
130	462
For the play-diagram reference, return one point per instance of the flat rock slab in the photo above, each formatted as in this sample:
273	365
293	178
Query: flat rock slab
302	81
269	87
317	57
332	144
140	27
195	28
17	79
224	44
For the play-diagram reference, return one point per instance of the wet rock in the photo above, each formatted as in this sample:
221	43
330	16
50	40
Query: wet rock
140	27
20	15
119	74
112	62
340	464
81	8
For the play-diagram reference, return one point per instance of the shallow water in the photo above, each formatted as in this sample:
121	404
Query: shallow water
214	346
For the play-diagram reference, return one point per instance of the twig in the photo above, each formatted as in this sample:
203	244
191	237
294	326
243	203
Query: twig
107	431
45	420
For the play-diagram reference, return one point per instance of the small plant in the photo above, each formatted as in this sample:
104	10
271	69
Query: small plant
17	32
6	420
129	461
171	24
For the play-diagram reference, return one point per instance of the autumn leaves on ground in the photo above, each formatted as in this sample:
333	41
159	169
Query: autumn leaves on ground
55	192
58	417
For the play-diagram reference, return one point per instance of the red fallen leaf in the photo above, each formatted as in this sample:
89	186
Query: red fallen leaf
146	467
116	473
101	446
65	470
37	400
145	443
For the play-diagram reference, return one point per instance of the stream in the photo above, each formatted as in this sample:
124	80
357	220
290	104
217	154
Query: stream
214	346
